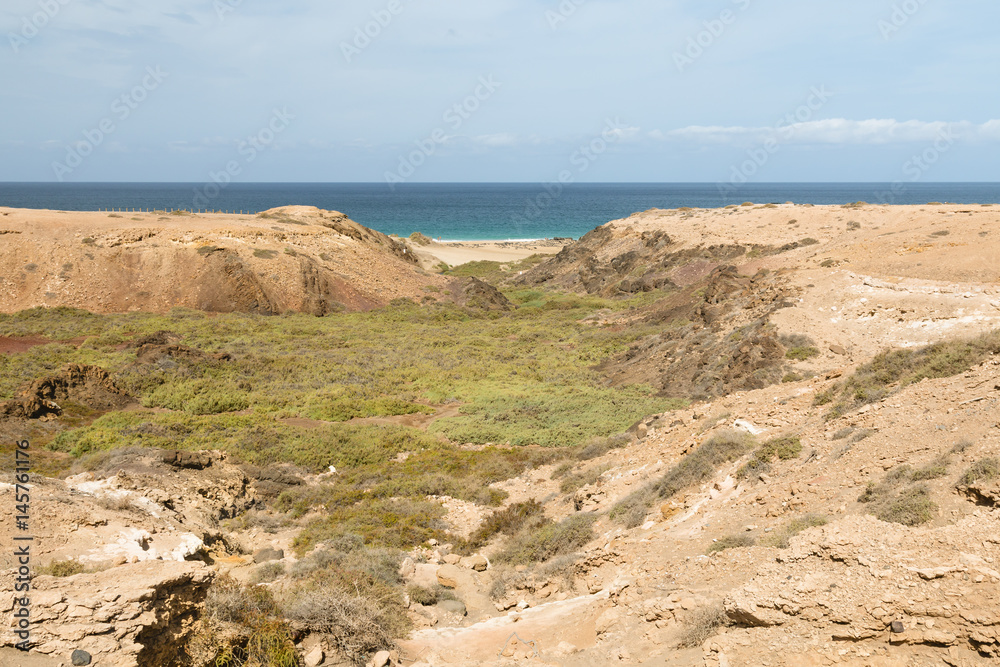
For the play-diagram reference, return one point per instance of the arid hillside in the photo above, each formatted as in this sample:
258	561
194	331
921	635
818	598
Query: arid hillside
756	436
292	258
748	284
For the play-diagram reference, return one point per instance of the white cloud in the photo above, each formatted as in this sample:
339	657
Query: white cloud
840	131
497	140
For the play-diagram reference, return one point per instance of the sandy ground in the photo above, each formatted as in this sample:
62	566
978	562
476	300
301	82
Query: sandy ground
462	252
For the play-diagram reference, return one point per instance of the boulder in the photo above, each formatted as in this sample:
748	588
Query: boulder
315	657
407	568
267	555
477	563
448	575
453	607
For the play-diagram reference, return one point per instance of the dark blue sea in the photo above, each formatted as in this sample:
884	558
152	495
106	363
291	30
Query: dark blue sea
470	211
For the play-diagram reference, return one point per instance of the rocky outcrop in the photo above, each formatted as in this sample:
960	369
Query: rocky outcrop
295	258
130	616
88	385
483	296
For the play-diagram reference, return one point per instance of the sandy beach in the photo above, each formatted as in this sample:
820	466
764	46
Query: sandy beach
460	252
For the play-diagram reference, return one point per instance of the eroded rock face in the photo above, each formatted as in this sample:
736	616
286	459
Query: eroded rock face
478	294
130	616
294	258
87	385
863	579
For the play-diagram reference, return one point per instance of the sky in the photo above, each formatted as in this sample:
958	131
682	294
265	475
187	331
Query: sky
726	91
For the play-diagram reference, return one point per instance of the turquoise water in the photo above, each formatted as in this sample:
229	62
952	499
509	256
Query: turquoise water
468	211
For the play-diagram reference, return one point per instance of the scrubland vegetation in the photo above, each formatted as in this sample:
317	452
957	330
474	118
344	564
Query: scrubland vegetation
895	369
406	402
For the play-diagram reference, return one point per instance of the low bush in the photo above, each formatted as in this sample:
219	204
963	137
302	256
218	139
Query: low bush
267	573
396	524
801	353
509	521
897	500
547	540
428	597
785	448
357	624
985	470
588	476
61	568
242	626
702	624
894	369
781	537
600	446
961	446
695	468
933	470
731	542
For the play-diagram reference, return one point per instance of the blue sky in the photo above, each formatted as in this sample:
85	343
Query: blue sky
500	90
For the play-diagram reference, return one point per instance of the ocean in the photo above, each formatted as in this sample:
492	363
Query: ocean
477	211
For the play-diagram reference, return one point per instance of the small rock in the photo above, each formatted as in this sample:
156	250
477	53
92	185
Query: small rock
267	555
477	563
315	657
447	576
838	349
452	559
453	607
81	657
897	627
381	659
407	568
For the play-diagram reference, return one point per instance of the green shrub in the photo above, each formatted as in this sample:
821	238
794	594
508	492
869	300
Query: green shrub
933	470
260	638
731	542
261	253
508	521
589	476
547	540
785	448
61	568
397	524
695	468
911	507
600	446
427	597
781	537
985	470
802	353
894	369
896	500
